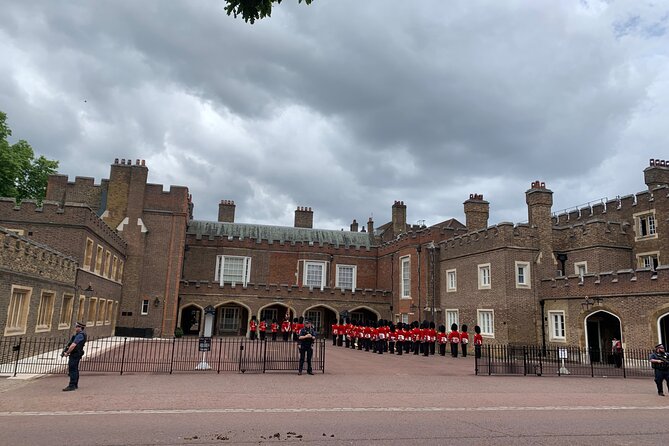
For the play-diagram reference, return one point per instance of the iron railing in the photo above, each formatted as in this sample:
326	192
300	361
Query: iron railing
140	355
562	361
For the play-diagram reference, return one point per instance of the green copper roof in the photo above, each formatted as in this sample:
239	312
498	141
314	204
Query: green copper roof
281	234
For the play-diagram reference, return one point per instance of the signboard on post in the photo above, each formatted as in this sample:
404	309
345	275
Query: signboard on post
205	344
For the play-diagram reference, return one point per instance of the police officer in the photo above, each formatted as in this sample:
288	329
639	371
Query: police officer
74	351
306	338
660	363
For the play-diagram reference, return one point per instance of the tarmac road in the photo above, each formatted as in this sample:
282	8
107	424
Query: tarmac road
362	398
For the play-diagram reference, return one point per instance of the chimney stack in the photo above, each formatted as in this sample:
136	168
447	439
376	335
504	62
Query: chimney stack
354	226
370	226
226	211
399	217
657	174
477	211
304	217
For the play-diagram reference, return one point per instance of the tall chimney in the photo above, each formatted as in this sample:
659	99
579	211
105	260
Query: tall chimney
399	217
657	174
370	226
477	211
304	217
354	226
539	202
226	211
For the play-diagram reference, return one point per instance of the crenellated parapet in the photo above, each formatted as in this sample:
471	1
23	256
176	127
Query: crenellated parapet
593	232
614	283
50	212
615	209
19	254
284	291
502	235
176	199
81	190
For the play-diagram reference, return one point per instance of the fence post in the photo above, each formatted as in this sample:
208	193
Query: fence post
489	361
174	342
123	355
622	359
264	355
17	349
241	352
524	360
220	351
323	355
592	365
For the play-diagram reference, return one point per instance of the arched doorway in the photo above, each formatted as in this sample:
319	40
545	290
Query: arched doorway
276	311
362	314
232	319
191	320
322	318
663	328
601	327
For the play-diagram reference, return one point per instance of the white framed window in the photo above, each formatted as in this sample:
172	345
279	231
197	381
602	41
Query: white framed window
523	275
316	318
405	277
269	314
92	312
557	326
45	311
648	260
66	311
230	319
314	274
581	269
486	320
452	317
145	307
346	277
17	312
233	269
644	223
404	318
484	276
451	281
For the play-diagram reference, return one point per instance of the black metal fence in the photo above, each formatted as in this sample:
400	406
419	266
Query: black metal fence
562	361
138	355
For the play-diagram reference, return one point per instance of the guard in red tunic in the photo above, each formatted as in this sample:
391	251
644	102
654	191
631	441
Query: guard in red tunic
335	332
464	340
478	342
401	336
454	339
442	339
432	332
253	328
298	324
285	329
262	327
425	338
415	337
275	329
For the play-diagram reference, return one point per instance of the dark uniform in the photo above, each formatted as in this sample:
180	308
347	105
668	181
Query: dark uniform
306	338
74	351
660	363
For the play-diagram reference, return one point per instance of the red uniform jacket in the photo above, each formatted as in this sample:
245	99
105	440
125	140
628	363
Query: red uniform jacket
253	325
275	327
285	326
464	337
454	337
442	338
263	326
478	339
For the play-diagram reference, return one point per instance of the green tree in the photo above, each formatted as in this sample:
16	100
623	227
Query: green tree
252	10
21	174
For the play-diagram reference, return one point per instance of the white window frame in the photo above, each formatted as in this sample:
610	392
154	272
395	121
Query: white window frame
527	278
144	307
220	267
305	275
557	326
577	269
451	280
643	256
651	225
486	331
405	277
316	318
452	317
483	284
404	318
354	273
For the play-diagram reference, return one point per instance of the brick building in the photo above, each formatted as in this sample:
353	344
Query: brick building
576	278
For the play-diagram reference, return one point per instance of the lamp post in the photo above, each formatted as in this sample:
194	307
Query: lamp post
588	302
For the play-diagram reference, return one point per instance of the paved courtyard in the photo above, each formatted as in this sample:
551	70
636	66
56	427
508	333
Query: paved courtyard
363	398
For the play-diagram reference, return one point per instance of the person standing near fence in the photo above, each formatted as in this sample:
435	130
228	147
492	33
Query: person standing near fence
253	328
478	342
454	339
74	351
617	352
660	363
306	338
285	329
464	340
275	329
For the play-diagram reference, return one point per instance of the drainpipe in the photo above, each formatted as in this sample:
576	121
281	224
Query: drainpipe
543	328
420	309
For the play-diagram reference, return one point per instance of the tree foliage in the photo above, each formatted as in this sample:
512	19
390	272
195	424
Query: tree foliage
21	174
252	10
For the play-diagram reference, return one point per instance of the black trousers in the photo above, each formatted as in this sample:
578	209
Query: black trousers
454	350
285	336
308	353
400	347
660	377
334	339
464	350
262	335
442	349
274	336
477	351
252	336
433	347
73	369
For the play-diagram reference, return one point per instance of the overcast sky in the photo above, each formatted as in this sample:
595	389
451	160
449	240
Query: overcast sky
346	106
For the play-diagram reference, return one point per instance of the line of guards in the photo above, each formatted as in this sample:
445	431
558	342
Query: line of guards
417	338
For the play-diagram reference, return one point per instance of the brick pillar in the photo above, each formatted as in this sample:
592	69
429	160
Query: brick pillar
226	211
370	226
477	211
354	226
539	202
304	217
399	217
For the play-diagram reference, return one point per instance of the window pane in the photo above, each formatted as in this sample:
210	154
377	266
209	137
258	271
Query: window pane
233	269
314	274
